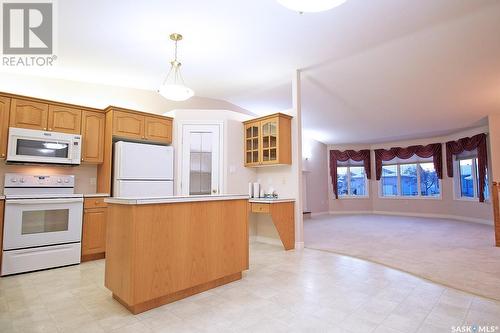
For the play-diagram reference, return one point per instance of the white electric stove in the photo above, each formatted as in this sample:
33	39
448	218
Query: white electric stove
42	224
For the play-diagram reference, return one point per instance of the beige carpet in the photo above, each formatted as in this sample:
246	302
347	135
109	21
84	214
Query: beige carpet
456	254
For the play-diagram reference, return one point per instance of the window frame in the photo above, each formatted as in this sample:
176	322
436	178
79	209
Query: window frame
350	196
400	196
457	183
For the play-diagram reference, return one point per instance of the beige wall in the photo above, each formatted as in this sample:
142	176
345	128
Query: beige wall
315	170
447	206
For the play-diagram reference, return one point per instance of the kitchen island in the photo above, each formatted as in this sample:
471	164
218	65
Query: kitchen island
159	250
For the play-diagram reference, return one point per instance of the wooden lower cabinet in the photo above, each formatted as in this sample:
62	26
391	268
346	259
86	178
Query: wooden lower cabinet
94	233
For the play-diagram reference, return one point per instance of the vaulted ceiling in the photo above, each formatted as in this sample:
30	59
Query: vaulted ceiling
372	70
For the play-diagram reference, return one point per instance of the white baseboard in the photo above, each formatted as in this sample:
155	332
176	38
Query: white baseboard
435	216
350	212
319	214
265	240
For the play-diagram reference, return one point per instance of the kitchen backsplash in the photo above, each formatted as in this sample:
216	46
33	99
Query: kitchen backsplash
85	175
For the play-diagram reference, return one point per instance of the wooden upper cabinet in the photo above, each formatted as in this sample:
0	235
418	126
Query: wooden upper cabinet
64	119
4	125
268	140
252	143
128	124
93	125
158	129
28	114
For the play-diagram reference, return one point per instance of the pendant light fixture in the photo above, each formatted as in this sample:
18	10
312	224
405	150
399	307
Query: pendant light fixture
173	87
303	6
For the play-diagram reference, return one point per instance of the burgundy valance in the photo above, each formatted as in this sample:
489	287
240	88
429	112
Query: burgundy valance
433	150
468	144
344	156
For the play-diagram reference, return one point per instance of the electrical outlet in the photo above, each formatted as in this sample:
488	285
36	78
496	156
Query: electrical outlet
93	181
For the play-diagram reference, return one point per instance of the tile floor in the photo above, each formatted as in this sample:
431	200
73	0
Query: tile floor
297	291
458	254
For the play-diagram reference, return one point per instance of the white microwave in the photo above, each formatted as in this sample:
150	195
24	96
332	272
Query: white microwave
34	146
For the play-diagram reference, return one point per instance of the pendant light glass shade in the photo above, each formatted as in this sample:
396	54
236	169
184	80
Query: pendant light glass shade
173	87
303	6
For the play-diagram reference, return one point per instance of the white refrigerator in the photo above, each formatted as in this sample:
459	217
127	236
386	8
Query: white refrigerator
143	170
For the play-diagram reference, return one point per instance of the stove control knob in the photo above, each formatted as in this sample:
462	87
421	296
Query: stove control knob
22	180
59	180
13	180
66	180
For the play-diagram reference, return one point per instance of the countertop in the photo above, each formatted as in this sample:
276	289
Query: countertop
269	200
174	199
2	197
96	195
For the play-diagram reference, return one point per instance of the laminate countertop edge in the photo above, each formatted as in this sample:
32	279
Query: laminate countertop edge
270	201
174	199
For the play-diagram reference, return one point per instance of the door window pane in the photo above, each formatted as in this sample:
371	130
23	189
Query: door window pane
342	181
40	221
200	176
358	182
466	178
429	181
389	180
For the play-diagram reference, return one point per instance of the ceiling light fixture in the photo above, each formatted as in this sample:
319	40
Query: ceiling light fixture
303	6
173	87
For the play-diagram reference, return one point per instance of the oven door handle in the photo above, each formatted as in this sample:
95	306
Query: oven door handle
41	201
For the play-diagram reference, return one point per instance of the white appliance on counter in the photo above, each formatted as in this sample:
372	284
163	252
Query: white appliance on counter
143	170
42	224
34	146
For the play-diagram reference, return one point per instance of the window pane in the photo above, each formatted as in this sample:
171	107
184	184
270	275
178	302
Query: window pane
409	179
486	187
358	182
389	180
466	178
342	185
429	182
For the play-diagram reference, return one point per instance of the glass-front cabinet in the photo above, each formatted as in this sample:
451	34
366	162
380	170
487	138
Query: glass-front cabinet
268	140
252	156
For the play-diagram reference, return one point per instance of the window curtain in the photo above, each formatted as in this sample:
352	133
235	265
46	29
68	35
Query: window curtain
467	144
433	150
344	156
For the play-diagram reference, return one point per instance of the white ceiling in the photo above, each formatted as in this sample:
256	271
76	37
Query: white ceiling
373	70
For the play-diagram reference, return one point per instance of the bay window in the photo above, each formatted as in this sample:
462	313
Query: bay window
351	181
410	180
468	183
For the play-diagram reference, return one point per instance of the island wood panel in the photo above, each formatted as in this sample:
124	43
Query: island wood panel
28	114
128	124
158	129
64	119
4	125
155	252
93	127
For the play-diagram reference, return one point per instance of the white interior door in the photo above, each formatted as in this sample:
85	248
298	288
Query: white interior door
201	152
